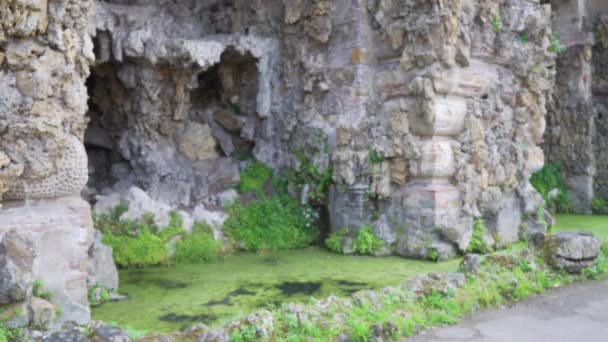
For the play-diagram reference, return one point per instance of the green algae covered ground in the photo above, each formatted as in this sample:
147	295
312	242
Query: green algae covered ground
169	298
166	299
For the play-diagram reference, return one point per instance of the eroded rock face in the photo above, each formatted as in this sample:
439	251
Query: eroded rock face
102	269
428	112
47	241
44	60
571	251
16	259
578	142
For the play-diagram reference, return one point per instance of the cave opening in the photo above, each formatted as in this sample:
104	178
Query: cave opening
175	131
225	98
102	134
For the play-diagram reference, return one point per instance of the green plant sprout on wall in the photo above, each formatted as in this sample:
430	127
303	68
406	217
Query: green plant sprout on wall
497	23
478	243
550	183
374	156
556	45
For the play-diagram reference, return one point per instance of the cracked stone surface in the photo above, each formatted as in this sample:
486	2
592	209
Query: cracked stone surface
576	313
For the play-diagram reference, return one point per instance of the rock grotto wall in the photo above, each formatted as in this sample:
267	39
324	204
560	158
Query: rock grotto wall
576	119
45	227
429	113
600	101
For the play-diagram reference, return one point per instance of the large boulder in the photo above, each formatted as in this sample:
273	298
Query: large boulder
16	258
140	204
60	232
571	251
102	269
41	312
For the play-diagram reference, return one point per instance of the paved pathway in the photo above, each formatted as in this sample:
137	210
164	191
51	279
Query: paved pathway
577	313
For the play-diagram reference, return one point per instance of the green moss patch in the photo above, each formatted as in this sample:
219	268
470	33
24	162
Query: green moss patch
550	183
254	177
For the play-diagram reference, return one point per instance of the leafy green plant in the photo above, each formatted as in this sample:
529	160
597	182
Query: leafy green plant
334	241
367	242
275	223
7	334
432	254
478	243
374	156
523	38
497	23
137	251
598	205
104	295
550	183
309	174
254	177
198	246
39	291
141	243
246	333
556	45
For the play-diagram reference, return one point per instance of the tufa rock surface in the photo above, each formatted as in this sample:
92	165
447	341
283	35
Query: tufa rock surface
571	251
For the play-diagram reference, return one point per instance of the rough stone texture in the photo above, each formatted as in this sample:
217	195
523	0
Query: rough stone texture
453	122
140	204
48	240
45	56
470	264
41	312
102	269
571	251
577	120
16	261
433	282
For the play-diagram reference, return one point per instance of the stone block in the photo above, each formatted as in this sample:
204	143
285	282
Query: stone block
449	118
571	251
41	312
197	142
438	196
102	269
436	159
472	81
60	232
349	207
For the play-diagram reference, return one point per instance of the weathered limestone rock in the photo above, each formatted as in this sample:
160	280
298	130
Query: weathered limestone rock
470	264
41	312
139	204
197	143
571	251
16	260
102	269
433	282
48	241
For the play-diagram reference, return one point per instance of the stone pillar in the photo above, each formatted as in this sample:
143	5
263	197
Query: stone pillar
600	99
45	228
570	121
431	202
